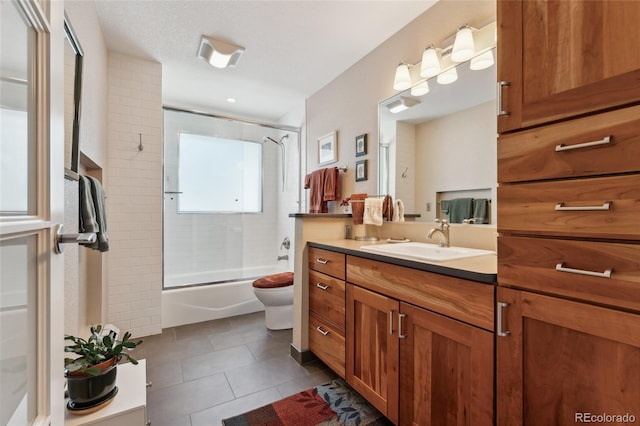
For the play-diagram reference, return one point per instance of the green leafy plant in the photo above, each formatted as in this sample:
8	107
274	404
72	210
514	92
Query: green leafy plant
96	349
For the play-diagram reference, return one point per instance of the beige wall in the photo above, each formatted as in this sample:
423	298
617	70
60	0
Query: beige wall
349	104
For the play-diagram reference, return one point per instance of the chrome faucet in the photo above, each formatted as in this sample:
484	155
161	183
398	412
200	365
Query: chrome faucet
443	232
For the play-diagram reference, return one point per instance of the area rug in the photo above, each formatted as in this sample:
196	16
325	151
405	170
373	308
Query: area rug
331	404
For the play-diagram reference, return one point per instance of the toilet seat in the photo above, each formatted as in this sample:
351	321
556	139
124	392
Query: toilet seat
282	279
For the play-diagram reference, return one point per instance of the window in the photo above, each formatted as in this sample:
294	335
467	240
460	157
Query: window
219	175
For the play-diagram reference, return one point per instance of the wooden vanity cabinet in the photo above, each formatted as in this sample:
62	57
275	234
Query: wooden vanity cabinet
561	359
327	307
415	365
561	59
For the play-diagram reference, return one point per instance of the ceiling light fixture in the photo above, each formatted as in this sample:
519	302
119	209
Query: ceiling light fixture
463	47
218	53
430	65
401	105
231	100
402	79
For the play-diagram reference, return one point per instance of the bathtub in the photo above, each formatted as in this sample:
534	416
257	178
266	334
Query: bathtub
192	304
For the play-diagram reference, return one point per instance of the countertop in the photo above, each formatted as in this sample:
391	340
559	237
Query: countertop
483	269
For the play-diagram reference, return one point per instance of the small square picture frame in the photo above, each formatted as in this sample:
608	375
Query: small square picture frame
361	145
327	149
361	170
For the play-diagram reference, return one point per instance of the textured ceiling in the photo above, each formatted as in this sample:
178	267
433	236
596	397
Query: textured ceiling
293	48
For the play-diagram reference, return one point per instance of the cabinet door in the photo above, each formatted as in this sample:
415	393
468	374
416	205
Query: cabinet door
565	58
559	361
446	371
372	348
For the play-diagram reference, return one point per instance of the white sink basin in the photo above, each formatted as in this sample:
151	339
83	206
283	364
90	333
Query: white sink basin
424	251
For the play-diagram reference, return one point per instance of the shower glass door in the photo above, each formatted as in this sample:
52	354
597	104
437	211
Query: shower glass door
223	183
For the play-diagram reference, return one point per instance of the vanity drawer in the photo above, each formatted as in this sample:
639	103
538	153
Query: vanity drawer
463	300
327	261
573	148
607	273
607	207
326	297
327	343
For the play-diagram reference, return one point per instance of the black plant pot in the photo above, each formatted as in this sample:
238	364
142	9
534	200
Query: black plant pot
87	391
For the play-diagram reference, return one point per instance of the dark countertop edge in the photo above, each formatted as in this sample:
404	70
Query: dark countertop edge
428	267
338	215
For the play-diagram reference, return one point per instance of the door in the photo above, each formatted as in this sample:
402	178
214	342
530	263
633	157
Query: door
372	348
561	362
31	204
446	370
560	59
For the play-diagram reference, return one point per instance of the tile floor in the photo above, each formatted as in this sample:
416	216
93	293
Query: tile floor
205	372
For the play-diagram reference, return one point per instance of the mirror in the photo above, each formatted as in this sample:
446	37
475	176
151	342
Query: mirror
443	146
72	92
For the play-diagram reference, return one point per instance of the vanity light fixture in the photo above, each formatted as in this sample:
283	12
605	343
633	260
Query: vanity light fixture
420	89
463	46
218	53
482	61
401	105
430	65
402	79
447	77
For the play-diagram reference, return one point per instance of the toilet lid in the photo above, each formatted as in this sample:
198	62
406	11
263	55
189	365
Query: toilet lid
274	281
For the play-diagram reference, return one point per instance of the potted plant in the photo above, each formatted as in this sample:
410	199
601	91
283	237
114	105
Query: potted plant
91	376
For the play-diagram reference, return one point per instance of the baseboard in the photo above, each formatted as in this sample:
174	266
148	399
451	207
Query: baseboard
302	357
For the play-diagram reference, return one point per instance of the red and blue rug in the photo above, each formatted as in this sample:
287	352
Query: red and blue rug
331	404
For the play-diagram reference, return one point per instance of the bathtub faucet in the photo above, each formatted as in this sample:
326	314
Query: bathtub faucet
285	257
285	243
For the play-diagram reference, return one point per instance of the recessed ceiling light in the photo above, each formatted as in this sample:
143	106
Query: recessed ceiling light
231	100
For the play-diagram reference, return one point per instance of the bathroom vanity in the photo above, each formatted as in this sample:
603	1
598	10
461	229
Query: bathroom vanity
415	338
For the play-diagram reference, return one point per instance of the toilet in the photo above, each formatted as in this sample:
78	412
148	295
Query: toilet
276	294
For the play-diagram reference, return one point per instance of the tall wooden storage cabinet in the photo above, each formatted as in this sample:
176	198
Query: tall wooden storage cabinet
568	302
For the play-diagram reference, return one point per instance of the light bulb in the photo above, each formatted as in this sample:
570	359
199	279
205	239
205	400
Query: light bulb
420	89
463	47
402	80
430	63
482	61
448	76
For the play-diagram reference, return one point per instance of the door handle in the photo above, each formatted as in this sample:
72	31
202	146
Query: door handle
400	335
62	238
499	330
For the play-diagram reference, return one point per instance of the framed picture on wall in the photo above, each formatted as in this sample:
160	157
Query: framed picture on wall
327	149
361	145
361	170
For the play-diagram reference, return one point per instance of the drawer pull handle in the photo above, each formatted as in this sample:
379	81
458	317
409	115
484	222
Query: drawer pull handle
603	141
604	207
500	331
321	260
606	274
501	84
323	287
400	335
321	331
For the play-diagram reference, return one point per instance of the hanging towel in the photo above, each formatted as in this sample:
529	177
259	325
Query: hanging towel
398	213
315	182
481	210
88	220
387	208
331	184
373	211
444	209
460	209
357	208
93	214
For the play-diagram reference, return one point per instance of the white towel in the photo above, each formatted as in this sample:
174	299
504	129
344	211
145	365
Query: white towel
398	213
372	211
